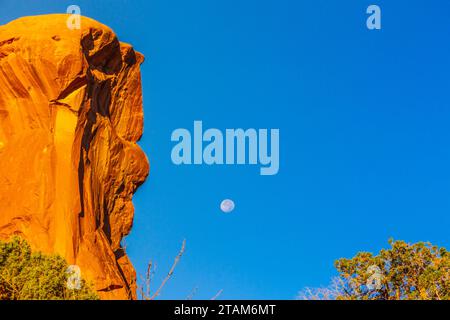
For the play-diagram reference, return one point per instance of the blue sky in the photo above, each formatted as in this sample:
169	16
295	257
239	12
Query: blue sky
364	130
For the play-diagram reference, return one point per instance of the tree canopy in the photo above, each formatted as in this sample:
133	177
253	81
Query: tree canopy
419	271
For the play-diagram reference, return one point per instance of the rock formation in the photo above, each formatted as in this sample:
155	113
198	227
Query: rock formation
70	116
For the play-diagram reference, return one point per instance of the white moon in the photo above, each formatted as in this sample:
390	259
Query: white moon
227	205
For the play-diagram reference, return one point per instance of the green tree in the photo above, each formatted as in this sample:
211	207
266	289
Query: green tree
419	271
26	275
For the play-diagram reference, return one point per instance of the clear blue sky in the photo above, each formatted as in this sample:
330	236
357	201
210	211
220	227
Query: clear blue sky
364	134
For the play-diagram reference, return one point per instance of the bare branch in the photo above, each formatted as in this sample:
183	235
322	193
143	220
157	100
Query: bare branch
169	275
148	278
192	294
217	294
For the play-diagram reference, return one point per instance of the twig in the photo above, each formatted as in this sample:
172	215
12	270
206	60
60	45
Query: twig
148	278
192	294
217	294
169	275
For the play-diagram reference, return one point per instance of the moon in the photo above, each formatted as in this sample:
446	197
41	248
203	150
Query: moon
227	205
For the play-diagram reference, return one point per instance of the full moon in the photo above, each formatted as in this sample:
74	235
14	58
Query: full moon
227	205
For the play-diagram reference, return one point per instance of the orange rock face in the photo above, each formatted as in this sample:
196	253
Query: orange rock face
70	116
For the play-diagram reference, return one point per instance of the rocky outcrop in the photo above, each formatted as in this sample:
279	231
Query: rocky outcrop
70	116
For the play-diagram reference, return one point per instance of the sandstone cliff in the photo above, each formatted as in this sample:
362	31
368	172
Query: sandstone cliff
70	115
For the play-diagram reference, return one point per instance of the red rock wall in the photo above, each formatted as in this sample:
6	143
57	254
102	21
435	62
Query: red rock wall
70	115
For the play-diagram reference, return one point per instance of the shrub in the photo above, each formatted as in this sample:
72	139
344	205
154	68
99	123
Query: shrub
26	275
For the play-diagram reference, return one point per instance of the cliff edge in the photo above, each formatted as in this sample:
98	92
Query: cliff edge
70	116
